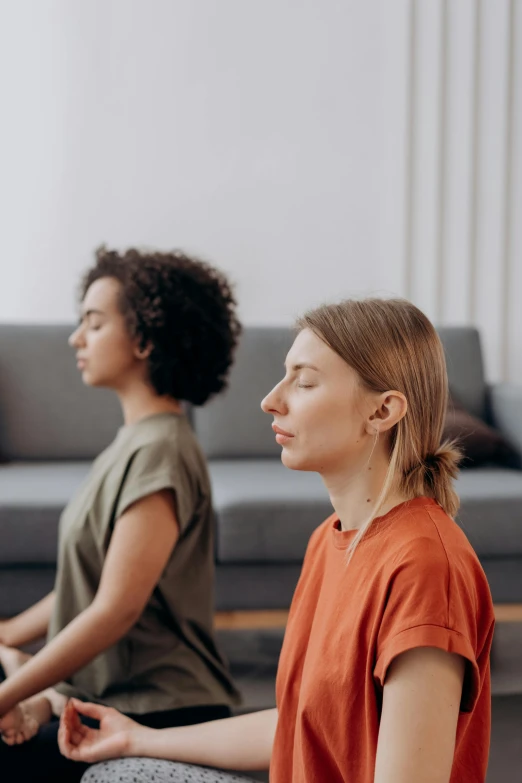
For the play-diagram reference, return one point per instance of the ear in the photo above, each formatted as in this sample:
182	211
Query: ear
141	352
391	407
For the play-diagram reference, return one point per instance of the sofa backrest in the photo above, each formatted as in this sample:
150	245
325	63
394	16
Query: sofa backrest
233	425
465	367
46	412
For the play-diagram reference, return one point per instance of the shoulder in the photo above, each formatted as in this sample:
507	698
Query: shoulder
160	439
429	548
425	532
433	591
161	455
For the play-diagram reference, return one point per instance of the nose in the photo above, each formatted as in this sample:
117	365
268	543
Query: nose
274	402
76	337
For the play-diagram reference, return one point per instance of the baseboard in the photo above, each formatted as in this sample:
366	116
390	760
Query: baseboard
277	618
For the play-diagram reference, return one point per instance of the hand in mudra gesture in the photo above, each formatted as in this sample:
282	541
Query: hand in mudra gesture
82	743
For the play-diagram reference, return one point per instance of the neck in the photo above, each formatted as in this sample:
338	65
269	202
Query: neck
139	400
355	491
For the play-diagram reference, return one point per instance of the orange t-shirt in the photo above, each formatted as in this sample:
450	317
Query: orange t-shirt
413	581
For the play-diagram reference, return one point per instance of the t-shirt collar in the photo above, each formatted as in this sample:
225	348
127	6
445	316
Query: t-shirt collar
343	538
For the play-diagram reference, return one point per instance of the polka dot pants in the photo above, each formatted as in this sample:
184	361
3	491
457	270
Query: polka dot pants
144	770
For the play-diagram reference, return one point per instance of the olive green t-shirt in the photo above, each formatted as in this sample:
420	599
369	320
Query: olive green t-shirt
169	658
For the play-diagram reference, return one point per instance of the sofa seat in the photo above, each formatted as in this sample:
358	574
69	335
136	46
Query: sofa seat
266	513
265	517
32	497
491	510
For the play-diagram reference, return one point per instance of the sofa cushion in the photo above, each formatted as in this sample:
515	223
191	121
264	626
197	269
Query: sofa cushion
491	510
266	513
504	575
32	497
22	587
506	404
465	367
46	412
265	516
233	424
480	443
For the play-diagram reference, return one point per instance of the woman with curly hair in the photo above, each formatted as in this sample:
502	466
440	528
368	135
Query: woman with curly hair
129	623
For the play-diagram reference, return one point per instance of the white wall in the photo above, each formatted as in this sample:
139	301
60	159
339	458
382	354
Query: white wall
312	149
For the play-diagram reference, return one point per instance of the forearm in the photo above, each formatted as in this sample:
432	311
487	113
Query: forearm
243	743
29	625
93	631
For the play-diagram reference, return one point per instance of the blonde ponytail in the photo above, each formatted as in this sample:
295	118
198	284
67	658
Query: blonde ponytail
433	476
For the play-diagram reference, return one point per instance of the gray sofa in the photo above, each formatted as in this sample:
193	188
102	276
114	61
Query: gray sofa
51	427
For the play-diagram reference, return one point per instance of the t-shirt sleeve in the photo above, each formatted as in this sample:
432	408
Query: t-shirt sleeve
154	467
431	603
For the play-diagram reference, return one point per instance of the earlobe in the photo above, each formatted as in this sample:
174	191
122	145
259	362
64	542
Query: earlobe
143	353
373	425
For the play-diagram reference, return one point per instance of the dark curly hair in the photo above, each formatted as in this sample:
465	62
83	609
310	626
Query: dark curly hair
182	307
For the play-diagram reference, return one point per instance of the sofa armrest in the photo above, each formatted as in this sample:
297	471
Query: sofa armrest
506	411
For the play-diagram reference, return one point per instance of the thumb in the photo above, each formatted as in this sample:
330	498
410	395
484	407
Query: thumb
96	711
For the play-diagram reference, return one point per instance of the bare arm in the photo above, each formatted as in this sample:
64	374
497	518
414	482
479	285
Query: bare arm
133	566
421	701
244	742
29	625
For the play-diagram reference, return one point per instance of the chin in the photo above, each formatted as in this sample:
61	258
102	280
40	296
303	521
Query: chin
90	380
295	462
86	379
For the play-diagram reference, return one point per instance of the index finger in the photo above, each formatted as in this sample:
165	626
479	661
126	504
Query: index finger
64	741
72	727
75	727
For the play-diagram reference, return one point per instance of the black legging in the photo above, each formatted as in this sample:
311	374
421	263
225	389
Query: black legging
40	760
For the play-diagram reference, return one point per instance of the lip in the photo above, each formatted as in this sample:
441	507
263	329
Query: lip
282	436
279	431
80	363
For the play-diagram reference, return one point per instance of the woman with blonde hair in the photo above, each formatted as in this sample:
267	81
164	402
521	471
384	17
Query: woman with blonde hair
384	674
